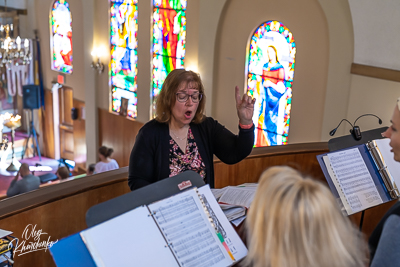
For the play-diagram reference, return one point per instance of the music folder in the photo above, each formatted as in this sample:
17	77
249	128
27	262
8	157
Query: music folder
175	225
362	176
182	230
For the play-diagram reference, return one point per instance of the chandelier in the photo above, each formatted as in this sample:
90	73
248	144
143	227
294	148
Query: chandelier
12	51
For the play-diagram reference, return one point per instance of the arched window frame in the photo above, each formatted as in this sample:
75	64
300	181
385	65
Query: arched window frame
272	33
167	56
124	57
61	37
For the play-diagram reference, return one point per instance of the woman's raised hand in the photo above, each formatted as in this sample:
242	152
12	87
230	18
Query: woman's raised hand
245	107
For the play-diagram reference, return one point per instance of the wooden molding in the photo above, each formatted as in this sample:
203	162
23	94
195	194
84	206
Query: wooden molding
375	72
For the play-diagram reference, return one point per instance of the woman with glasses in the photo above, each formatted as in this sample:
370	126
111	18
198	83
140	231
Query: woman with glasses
181	138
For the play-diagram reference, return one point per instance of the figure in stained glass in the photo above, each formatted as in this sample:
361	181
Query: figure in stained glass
270	70
61	38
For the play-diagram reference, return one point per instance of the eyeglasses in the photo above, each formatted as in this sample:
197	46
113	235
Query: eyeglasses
183	97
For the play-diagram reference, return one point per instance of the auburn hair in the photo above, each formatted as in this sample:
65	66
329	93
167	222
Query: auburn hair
175	80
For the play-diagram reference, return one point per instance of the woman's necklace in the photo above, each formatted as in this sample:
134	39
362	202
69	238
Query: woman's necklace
176	136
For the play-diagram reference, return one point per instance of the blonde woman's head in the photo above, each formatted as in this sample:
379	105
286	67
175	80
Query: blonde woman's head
295	221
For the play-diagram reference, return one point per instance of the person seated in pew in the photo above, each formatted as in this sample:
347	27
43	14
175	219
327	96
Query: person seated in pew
28	182
106	163
90	169
63	173
181	138
378	242
295	221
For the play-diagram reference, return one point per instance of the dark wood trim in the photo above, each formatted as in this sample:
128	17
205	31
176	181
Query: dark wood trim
45	195
375	72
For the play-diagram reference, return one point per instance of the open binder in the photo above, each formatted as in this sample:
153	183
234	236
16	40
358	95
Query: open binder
187	229
362	176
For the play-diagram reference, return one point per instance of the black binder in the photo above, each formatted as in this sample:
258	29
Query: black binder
142	196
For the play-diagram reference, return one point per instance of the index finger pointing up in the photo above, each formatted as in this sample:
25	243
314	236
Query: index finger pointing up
237	95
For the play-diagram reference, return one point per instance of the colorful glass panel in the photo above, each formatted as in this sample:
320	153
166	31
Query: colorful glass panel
61	37
270	71
123	64
169	40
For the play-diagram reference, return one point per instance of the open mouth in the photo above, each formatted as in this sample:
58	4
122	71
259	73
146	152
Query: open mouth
188	114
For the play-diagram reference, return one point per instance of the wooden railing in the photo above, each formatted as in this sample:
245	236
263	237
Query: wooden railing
59	210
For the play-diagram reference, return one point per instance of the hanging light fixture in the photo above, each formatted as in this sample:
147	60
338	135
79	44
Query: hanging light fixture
12	52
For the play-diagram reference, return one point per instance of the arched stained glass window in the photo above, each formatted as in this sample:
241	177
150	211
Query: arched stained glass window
123	66
169	39
270	70
61	37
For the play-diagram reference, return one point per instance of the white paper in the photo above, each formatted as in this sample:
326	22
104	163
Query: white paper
354	179
232	239
131	239
241	196
187	228
217	192
238	221
343	204
388	156
4	233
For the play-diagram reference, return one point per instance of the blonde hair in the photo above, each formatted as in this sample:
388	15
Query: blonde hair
167	98
295	221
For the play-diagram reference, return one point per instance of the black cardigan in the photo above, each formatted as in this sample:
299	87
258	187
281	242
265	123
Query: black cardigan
149	161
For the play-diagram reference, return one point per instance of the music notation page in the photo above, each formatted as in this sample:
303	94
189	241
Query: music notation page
354	180
131	239
188	230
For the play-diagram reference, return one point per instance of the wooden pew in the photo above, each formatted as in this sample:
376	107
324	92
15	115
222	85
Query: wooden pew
59	210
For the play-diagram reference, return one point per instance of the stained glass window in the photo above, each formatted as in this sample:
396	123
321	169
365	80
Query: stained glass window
169	39
270	70
123	66
61	37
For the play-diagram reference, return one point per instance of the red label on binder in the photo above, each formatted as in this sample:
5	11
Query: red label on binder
184	185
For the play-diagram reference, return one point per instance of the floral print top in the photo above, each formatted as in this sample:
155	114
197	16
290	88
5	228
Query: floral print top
190	160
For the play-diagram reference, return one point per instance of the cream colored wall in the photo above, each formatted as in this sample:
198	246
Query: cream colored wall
82	80
324	91
370	95
307	22
76	79
341	51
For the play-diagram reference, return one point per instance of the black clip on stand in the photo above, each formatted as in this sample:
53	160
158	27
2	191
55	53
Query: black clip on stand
32	133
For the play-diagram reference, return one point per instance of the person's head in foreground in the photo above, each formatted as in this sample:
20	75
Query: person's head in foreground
295	221
181	99
393	132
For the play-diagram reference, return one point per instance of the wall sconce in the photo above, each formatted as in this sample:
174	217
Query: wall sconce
97	52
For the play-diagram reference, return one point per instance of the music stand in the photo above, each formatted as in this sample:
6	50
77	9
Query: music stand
349	141
346	141
32	134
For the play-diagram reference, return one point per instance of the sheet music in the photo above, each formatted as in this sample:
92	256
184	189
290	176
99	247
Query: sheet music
187	228
233	241
131	239
241	196
354	179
